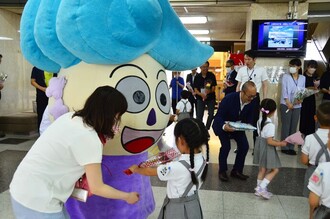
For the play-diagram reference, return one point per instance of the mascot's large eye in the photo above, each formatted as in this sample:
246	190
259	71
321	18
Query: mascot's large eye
136	91
163	97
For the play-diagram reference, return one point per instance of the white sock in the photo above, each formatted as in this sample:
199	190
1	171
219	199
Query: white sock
258	182
264	183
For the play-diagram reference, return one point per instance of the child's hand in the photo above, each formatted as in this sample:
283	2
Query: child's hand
283	143
133	168
132	197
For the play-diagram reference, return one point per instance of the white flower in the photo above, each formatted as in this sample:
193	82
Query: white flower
3	76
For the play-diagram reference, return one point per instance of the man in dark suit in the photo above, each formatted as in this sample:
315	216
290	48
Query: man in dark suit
230	83
190	86
237	106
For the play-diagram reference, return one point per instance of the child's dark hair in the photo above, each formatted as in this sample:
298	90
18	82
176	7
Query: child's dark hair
185	94
267	106
323	114
195	134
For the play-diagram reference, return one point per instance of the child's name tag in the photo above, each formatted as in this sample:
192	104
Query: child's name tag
80	194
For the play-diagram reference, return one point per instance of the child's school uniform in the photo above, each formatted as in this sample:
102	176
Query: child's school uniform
319	183
264	154
316	150
182	200
184	107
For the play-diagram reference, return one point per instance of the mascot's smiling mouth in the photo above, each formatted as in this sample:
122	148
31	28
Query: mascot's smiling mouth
135	140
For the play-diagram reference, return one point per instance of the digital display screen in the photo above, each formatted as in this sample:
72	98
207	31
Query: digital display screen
285	37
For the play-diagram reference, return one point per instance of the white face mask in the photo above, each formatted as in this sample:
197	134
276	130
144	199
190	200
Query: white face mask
292	70
228	69
311	70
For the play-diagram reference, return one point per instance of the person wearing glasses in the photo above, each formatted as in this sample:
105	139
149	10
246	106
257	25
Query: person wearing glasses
257	74
235	107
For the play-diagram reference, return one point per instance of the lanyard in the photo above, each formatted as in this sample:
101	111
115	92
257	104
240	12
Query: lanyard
247	72
296	83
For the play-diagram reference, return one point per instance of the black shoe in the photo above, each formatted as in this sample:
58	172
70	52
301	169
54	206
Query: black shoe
292	152
223	177
238	175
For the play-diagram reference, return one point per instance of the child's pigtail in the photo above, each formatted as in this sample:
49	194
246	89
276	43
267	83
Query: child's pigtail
192	168
204	174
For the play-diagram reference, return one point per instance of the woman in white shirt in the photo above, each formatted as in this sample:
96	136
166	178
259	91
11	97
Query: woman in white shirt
70	147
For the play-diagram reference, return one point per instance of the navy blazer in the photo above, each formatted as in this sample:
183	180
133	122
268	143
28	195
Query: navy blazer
229	109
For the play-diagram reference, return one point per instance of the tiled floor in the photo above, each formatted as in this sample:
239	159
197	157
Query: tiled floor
233	199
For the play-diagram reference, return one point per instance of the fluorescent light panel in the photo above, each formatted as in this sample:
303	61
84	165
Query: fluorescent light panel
193	20
203	39
5	38
197	32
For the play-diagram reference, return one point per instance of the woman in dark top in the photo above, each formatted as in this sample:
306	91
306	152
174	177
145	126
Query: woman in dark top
307	122
325	84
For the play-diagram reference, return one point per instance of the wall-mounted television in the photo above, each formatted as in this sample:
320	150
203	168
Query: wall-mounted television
279	38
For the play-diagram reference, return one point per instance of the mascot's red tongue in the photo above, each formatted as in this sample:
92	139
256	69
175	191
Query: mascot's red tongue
139	145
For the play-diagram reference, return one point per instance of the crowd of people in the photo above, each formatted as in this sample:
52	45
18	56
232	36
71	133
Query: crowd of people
98	121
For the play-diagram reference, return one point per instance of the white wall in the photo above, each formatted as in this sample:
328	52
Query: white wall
18	93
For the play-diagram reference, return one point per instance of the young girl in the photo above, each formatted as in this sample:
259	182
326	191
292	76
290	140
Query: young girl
185	176
265	153
183	108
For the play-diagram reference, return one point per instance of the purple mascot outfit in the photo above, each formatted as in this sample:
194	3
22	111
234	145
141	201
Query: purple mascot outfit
127	44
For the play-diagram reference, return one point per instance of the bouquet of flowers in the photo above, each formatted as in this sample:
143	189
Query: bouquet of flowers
156	160
3	77
239	126
296	138
302	94
229	83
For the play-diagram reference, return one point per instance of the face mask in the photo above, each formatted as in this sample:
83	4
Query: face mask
228	69
311	70
293	70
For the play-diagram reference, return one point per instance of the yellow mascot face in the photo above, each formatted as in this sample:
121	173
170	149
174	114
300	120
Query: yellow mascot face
143	83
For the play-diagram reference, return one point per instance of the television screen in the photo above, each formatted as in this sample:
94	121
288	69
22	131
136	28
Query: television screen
279	38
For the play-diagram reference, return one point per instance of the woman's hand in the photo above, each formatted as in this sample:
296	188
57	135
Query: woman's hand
289	105
132	198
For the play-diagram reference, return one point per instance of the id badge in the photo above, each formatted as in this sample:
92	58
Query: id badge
80	194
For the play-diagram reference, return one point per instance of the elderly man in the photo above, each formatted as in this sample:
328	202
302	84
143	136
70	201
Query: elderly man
235	107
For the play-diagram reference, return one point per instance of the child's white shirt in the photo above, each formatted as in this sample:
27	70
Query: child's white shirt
268	130
178	176
319	183
180	105
312	147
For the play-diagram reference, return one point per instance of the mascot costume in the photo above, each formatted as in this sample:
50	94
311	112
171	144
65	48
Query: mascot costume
126	44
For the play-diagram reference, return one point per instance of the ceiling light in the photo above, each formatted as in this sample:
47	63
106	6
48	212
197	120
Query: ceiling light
197	32
5	38
193	20
203	39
